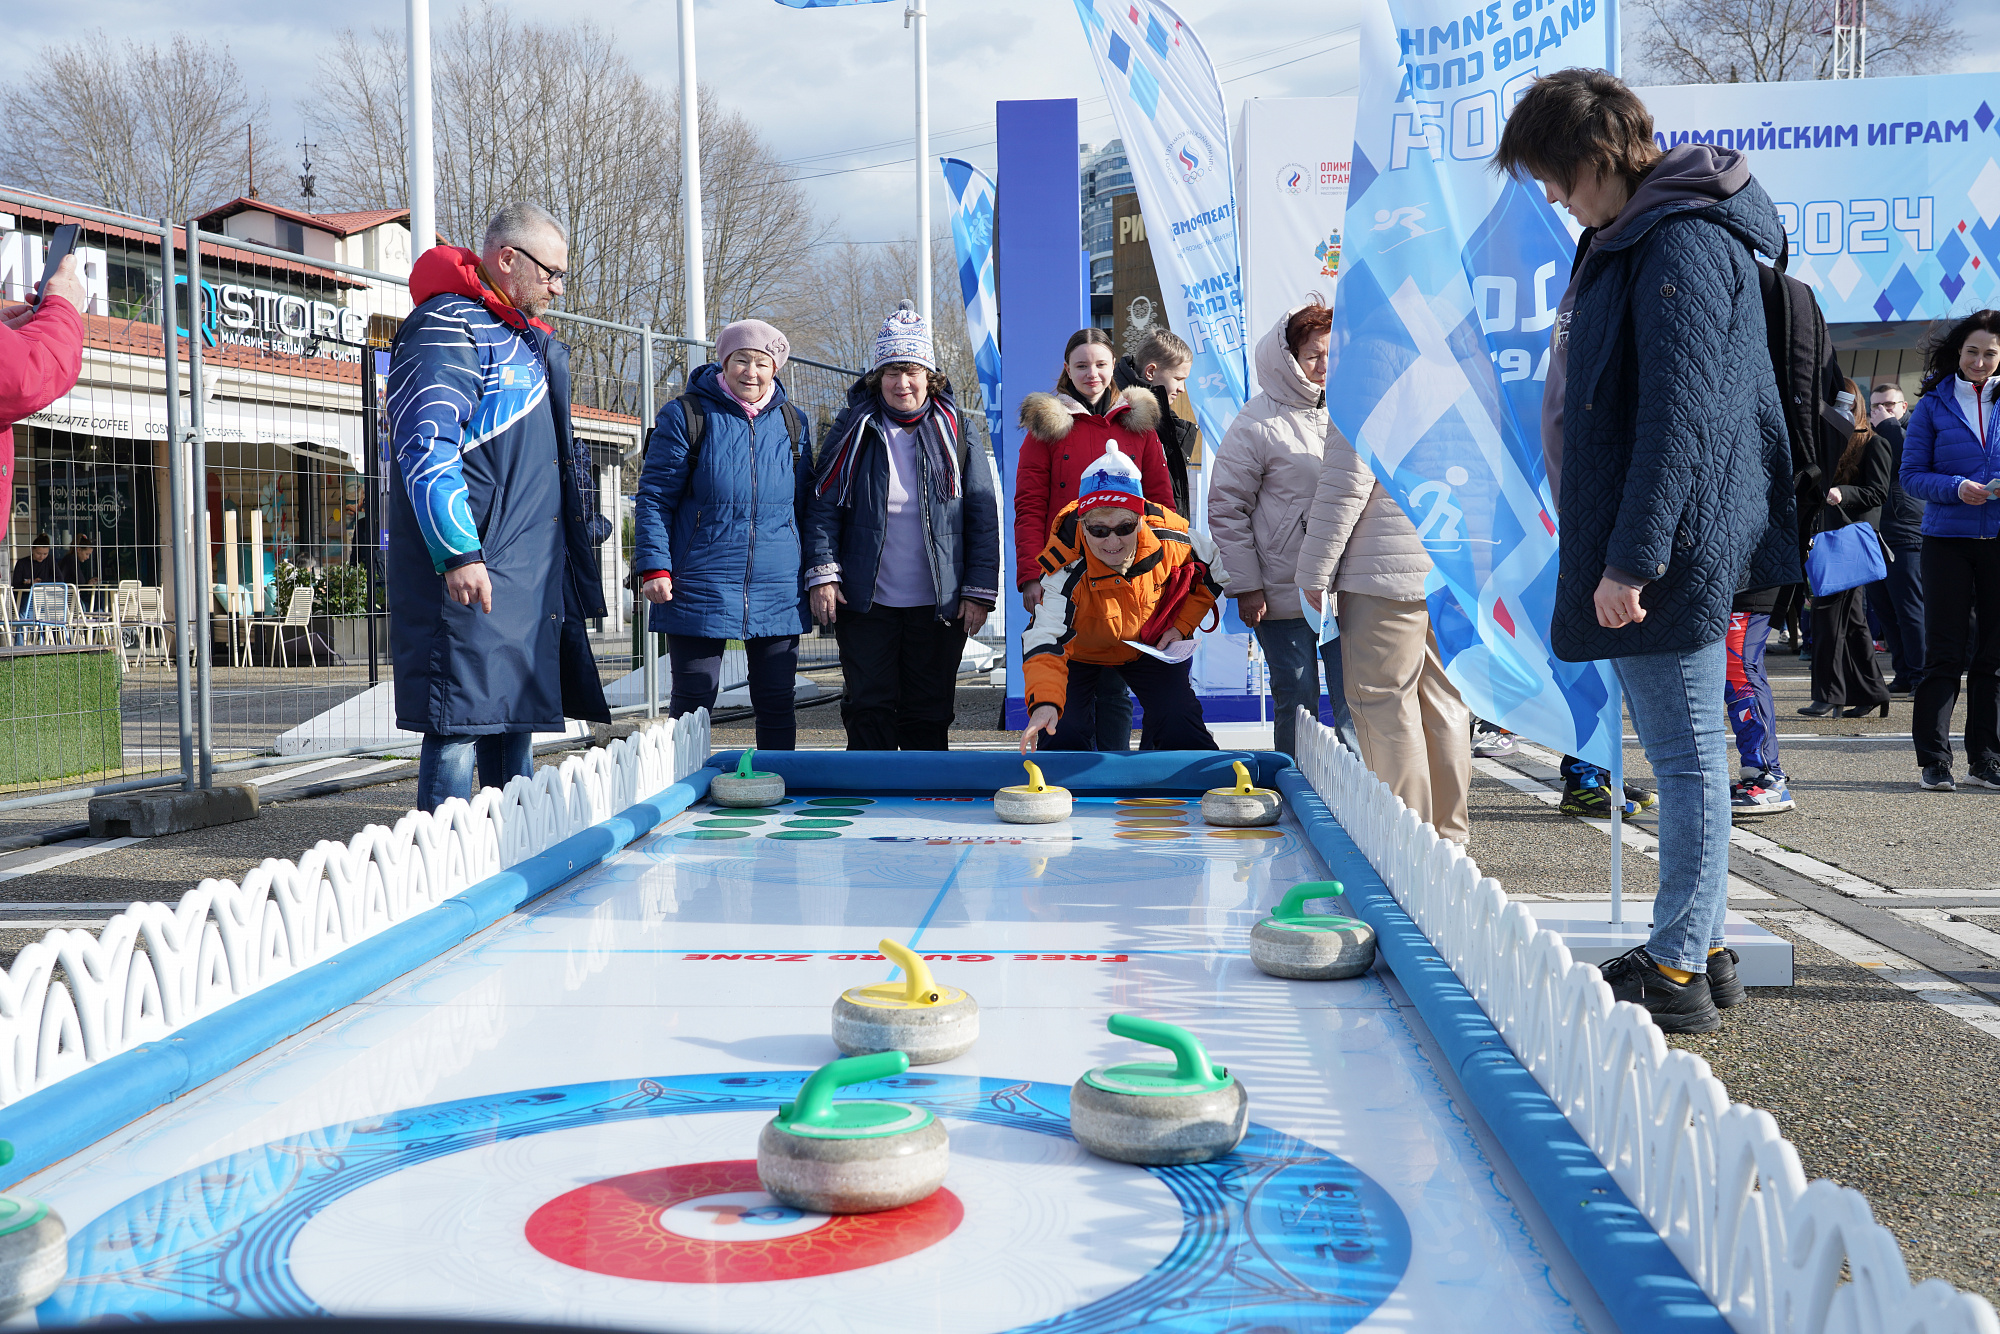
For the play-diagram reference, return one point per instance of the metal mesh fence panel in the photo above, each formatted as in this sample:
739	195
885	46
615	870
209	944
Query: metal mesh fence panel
87	639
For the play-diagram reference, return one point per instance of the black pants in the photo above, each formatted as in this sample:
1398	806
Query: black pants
1844	670
1898	601
774	661
900	665
1173	714
1961	633
1114	711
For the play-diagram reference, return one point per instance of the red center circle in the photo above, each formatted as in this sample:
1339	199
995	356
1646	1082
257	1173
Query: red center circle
612	1227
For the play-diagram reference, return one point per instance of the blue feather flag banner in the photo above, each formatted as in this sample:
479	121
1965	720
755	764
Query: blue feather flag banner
1441	324
972	239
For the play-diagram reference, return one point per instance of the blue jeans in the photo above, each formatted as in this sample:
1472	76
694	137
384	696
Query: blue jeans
1677	708
1292	649
444	768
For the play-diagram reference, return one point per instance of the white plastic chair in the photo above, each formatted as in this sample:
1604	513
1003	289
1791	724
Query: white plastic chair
151	620
48	613
298	616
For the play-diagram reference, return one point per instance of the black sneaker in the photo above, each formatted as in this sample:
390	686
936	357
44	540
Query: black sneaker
1937	778
1676	1007
1723	988
1986	775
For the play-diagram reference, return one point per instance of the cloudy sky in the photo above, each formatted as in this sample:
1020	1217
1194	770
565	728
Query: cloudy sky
831	89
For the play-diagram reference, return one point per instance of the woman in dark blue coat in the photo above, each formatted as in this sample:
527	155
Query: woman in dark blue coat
902	543
718	517
1671	466
1951	459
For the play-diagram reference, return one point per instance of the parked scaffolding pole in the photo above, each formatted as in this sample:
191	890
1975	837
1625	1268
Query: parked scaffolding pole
198	449
170	356
650	650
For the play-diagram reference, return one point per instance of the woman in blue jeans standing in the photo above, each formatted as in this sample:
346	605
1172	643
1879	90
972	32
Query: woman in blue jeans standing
1669	460
718	519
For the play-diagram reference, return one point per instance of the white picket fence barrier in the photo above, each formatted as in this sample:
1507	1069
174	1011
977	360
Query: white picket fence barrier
1721	1184
75	998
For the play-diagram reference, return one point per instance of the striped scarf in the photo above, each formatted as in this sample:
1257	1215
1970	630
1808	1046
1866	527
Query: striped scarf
936	425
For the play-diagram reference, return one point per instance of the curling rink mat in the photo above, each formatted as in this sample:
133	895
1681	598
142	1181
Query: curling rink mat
557	1121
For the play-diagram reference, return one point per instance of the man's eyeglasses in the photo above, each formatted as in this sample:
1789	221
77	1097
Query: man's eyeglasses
1122	530
554	275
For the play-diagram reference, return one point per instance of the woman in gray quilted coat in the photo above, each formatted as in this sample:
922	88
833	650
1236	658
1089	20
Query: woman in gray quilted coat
1671	469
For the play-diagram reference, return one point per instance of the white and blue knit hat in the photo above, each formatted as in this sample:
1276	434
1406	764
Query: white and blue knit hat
1111	481
905	337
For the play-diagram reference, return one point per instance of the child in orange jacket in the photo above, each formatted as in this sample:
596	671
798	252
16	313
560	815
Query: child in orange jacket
1112	561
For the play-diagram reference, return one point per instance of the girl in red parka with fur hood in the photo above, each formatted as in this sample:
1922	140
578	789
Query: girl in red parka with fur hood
1066	431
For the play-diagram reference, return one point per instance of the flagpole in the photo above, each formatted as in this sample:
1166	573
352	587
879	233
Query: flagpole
422	183
915	17
695	286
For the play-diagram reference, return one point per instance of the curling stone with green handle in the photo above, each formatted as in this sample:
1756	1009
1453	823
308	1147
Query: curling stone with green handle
34	1249
1294	943
1242	806
746	787
832	1157
1032	802
925	1020
1158	1114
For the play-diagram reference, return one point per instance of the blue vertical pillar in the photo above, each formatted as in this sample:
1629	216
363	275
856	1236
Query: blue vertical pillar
1040	235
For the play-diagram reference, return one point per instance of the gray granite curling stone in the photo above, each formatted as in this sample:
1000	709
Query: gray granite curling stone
926	1021
1294	943
34	1253
1159	1114
746	787
1242	806
852	1157
1032	802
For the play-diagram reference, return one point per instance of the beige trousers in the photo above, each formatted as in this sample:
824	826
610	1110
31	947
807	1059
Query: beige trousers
1414	730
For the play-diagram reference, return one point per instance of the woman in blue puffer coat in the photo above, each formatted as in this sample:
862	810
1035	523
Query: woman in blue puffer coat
1951	460
718	516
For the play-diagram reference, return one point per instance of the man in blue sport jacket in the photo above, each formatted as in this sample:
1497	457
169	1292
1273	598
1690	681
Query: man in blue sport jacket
493	532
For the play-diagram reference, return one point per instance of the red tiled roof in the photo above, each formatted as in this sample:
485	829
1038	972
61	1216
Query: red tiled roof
349	223
151	238
599	414
340	224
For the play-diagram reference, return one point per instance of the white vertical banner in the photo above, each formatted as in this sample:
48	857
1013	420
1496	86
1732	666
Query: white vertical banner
1291	197
1168	105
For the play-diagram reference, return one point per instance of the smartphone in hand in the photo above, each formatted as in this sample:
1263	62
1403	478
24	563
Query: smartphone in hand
60	246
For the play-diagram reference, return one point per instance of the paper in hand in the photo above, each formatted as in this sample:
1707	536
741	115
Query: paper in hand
1178	651
1329	623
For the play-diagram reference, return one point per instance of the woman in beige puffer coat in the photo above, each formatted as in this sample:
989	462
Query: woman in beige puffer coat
1265	471
1414	731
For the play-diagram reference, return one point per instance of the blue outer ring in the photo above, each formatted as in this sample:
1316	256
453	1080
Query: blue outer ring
1280	1233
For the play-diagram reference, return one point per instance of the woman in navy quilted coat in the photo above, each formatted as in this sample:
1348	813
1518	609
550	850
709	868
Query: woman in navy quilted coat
1671	467
1951	460
718	528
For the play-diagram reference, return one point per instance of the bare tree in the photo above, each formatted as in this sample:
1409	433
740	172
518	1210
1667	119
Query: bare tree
134	127
1771	41
559	115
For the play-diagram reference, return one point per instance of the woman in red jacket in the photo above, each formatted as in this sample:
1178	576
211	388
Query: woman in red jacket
1065	433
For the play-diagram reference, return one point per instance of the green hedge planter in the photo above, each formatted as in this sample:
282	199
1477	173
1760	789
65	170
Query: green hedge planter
58	713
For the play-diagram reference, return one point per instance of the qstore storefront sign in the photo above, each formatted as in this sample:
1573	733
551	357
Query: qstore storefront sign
270	321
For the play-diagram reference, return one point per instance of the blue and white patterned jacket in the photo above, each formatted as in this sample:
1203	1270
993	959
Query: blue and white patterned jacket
485	468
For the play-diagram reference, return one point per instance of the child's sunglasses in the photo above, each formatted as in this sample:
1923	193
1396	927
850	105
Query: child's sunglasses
1122	530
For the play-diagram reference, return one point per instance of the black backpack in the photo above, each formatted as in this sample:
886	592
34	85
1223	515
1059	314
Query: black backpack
1808	373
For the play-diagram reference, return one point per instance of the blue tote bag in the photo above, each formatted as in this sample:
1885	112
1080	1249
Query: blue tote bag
1845	558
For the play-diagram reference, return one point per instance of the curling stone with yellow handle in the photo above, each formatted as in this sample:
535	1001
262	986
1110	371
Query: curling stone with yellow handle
1242	806
1157	1114
1032	802
34	1249
747	786
1294	943
918	1016
832	1157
